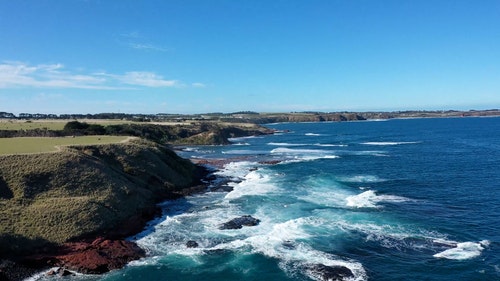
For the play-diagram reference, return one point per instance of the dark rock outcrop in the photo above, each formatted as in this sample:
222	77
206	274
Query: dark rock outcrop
59	271
238	223
329	273
192	244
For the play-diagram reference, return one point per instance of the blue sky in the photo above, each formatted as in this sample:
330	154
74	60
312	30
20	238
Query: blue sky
186	56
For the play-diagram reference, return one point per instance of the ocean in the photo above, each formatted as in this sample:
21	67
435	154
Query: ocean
402	199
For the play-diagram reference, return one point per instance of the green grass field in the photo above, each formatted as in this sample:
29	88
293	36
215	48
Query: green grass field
26	125
55	125
40	144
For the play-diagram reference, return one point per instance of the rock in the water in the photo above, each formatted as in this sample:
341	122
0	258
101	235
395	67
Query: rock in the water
100	256
270	162
330	273
192	244
238	223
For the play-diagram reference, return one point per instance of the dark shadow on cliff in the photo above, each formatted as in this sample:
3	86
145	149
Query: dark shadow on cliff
5	192
17	245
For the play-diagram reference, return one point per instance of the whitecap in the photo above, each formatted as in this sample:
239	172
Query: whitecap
313	134
254	183
239	139
243	152
369	153
284	150
369	199
299	159
292	155
361	179
236	170
286	144
330	145
382	143
463	251
241	143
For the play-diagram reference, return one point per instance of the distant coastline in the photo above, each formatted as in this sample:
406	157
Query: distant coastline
250	117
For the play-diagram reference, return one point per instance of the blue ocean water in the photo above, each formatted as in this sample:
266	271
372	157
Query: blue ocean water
406	199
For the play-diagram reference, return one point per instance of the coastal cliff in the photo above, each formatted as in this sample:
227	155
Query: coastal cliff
84	192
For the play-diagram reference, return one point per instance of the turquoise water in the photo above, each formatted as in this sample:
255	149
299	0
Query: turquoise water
415	199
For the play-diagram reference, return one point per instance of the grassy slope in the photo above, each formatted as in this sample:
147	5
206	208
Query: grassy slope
47	144
82	190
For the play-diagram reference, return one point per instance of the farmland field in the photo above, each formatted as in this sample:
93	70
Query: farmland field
41	144
7	124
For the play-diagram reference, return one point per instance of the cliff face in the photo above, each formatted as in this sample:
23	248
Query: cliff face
48	199
303	117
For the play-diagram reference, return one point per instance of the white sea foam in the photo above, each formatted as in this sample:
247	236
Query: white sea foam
369	199
382	143
321	197
306	144
313	134
241	143
292	155
240	139
463	251
361	179
369	153
298	159
330	145
41	276
254	183
243	152
286	144
280	241
399	237
390	234
284	150
236	170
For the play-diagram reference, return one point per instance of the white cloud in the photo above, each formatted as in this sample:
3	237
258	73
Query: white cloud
22	75
148	47
198	85
17	74
136	41
148	79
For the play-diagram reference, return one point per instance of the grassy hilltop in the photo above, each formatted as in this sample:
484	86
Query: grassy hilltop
51	198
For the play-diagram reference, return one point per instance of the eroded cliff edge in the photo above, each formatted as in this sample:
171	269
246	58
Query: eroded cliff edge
84	192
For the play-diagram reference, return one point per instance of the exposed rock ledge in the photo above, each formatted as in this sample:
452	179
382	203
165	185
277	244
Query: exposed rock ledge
100	256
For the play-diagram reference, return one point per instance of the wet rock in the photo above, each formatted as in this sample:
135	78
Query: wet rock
192	244
288	245
59	271
221	188
270	162
330	273
100	256
238	223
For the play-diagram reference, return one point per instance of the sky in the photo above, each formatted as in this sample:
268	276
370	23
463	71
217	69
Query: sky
200	56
